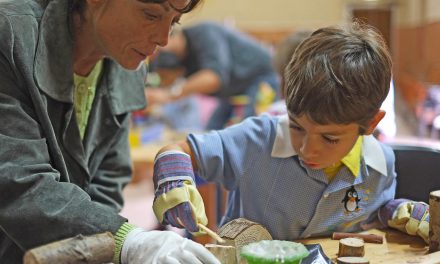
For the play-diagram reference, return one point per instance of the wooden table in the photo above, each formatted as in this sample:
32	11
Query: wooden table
398	248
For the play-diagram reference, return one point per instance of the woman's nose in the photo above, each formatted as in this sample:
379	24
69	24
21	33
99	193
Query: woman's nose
162	34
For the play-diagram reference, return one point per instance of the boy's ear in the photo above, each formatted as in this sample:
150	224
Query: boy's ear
374	121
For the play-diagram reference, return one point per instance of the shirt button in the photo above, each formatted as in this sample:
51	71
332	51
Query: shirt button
326	195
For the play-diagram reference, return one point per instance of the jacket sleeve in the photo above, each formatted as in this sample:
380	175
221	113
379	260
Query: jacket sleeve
38	203
114	171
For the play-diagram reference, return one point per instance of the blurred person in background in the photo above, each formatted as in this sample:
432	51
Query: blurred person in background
217	61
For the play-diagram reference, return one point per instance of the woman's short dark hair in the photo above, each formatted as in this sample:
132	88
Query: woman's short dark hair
77	6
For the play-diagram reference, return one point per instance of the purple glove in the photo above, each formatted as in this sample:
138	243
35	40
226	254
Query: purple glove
407	216
176	199
386	211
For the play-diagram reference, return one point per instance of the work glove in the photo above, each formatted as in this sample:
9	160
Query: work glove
155	247
177	201
407	216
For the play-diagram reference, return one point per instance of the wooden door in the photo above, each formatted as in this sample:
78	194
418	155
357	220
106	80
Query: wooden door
379	18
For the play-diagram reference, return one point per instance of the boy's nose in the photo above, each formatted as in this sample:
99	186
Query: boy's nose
308	149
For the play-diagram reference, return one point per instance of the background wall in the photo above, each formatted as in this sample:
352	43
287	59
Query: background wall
414	33
280	14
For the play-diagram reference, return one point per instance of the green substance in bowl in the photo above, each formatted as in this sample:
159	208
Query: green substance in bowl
274	251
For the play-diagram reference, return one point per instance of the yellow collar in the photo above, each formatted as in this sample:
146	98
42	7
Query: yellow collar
351	161
372	152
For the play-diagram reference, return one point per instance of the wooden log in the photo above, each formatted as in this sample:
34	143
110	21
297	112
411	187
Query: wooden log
434	221
432	258
94	249
368	238
226	254
351	247
240	232
352	260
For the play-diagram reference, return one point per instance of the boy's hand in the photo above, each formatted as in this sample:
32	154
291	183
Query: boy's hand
177	201
407	216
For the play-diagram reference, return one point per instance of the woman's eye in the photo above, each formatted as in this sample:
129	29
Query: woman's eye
331	140
176	22
150	16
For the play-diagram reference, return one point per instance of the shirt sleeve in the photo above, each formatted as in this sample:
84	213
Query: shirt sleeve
224	156
213	51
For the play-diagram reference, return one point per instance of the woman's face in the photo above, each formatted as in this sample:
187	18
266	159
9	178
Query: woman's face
128	31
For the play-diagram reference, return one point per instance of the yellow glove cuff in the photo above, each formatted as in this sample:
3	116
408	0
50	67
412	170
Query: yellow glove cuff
423	231
400	217
176	196
403	221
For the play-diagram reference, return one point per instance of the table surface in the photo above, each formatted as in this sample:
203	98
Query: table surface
397	248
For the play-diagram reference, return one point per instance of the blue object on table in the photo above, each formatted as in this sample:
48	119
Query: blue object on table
316	255
151	132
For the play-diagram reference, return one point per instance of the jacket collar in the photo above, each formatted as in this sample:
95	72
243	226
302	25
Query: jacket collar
371	150
53	64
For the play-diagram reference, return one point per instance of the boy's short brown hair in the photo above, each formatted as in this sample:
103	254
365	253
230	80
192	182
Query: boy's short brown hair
339	76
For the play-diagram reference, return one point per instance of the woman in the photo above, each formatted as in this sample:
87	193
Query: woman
71	71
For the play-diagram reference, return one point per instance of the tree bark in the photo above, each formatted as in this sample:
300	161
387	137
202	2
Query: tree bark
351	247
434	221
95	249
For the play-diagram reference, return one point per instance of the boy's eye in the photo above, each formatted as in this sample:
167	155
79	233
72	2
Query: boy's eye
295	127
331	140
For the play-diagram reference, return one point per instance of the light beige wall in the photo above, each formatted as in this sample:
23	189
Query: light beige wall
278	14
307	14
417	12
410	13
432	11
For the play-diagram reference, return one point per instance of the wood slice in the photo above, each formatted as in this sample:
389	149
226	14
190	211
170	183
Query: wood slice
434	221
226	254
94	249
240	232
351	247
368	238
352	260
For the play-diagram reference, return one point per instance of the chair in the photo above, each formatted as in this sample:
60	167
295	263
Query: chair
418	171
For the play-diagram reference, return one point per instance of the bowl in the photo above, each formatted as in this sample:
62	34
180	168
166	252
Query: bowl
274	251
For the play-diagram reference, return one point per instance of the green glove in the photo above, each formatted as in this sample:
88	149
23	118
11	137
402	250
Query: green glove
407	216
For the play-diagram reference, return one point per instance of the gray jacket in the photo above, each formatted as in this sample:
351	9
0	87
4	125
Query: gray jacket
53	185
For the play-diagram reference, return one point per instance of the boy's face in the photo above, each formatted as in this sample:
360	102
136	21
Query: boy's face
320	146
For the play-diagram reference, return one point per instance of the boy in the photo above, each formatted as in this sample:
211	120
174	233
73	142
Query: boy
308	173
